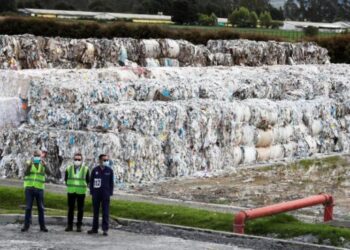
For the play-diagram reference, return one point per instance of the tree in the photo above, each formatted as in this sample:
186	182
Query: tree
8	5
291	10
265	19
240	17
99	6
311	31
64	6
276	14
253	19
184	12
206	20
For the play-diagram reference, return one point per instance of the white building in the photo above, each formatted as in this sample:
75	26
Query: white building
70	14
323	27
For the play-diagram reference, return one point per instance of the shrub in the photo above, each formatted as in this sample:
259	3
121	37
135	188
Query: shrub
253	19
206	20
338	47
275	24
311	31
240	17
265	19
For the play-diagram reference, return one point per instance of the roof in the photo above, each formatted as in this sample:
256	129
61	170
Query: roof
337	25
89	14
222	20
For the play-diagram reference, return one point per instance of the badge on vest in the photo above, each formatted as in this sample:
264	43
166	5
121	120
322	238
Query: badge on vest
97	183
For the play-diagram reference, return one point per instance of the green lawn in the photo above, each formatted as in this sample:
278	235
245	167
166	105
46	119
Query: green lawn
288	35
284	226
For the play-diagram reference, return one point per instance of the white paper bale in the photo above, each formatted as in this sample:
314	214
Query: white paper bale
169	62
237	155
290	149
249	155
150	62
264	138
248	135
263	154
150	48
170	48
311	142
9	112
316	127
282	134
277	152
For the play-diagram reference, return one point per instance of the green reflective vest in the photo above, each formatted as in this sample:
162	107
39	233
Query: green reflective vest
76	182
36	177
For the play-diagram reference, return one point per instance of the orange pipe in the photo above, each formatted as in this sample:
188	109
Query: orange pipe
325	199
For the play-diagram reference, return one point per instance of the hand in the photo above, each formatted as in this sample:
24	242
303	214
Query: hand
43	162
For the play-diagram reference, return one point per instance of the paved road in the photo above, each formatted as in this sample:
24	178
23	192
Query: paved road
12	238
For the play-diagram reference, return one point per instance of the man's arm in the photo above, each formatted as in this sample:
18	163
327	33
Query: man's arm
111	182
87	177
91	182
66	176
28	166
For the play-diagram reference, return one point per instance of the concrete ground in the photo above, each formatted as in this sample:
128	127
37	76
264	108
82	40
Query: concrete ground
56	238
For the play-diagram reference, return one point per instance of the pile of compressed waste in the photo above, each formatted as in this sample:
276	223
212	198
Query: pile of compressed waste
166	122
34	52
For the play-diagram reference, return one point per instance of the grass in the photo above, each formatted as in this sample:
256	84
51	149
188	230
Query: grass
284	226
288	35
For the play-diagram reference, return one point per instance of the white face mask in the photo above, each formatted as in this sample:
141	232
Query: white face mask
77	163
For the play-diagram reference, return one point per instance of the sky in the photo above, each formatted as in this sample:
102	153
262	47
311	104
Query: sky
278	3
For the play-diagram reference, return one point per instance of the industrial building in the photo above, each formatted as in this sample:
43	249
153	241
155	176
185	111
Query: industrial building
69	14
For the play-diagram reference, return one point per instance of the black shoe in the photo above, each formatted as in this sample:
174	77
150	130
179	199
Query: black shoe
24	229
44	229
79	229
68	229
92	231
105	233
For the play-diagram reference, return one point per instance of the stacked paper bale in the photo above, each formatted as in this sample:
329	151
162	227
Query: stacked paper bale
34	52
165	122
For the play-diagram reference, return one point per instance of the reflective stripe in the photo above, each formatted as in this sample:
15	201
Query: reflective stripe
76	186
37	173
36	177
76	182
30	179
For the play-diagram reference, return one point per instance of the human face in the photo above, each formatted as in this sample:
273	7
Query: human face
77	160
104	159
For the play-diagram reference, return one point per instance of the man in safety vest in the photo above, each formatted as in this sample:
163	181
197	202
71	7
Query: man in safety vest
77	179
34	185
101	189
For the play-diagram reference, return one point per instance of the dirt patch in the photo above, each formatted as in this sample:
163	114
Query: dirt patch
254	187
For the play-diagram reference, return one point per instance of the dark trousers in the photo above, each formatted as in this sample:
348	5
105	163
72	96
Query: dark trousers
80	200
97	201
30	194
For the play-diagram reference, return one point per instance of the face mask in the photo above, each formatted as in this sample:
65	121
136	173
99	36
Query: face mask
106	163
77	163
36	160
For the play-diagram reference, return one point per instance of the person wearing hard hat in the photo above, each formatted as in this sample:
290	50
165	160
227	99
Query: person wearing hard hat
34	185
77	179
101	189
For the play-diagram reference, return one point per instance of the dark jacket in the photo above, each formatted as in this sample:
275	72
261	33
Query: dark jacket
101	181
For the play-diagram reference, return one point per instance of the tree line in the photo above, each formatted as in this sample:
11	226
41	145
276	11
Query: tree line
199	11
317	10
189	9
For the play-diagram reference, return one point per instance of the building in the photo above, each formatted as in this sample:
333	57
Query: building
69	14
323	27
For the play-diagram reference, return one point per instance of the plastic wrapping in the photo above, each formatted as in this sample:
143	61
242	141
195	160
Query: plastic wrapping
165	122
35	52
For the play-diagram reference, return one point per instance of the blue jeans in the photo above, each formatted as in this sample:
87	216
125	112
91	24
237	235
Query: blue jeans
30	194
